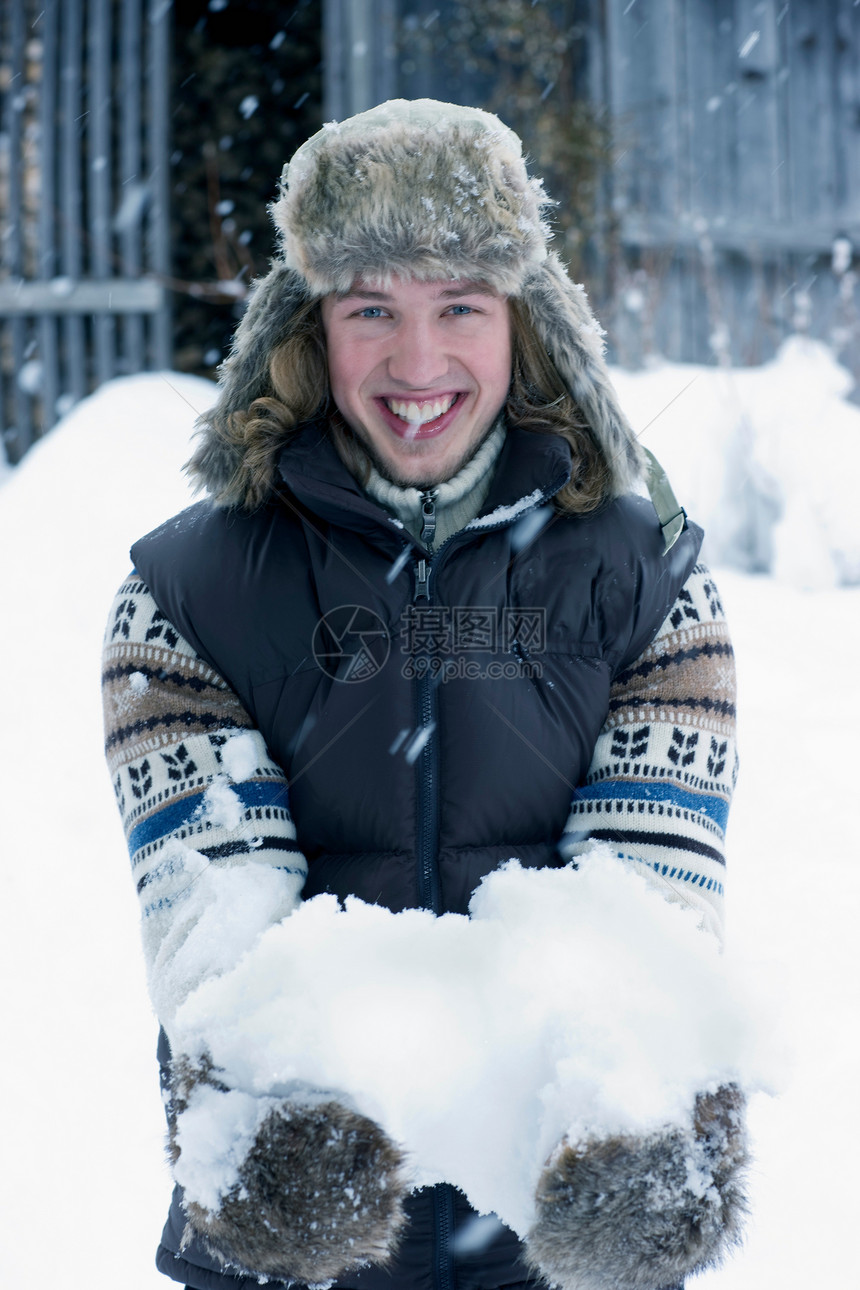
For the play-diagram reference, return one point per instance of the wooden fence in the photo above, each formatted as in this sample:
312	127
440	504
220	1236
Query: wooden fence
83	194
735	196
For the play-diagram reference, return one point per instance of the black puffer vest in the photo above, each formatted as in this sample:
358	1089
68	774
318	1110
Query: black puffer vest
433	714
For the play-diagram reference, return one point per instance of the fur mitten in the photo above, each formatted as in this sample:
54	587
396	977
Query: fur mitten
319	1192
643	1213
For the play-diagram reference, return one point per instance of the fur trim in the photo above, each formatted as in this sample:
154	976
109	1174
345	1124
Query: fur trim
644	1213
424	190
319	1193
243	377
573	338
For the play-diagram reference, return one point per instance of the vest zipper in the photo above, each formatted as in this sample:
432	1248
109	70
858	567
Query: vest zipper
428	518
443	1214
422	576
427	770
427	764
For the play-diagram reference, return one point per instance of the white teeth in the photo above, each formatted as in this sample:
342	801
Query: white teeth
419	414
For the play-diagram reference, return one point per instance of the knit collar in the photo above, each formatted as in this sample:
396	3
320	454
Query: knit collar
406	502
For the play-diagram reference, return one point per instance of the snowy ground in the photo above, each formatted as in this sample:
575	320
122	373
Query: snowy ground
83	1189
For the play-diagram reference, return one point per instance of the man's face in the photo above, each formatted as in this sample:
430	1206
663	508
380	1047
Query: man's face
419	371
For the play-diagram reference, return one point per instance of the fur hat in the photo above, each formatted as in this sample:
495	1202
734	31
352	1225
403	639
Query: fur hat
425	190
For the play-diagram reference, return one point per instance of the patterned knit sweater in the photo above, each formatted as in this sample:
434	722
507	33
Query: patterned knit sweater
206	810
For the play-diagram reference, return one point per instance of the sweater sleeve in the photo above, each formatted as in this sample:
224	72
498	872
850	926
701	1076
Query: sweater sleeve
204	807
664	766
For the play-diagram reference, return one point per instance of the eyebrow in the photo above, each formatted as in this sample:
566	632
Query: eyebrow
458	289
468	289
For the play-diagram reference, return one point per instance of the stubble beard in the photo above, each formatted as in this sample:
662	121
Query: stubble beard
423	483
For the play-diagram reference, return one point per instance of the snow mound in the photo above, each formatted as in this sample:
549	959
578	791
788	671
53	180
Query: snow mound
80	1038
763	457
571	1002
116	457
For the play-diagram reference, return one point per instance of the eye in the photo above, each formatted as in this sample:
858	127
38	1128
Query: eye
370	311
461	311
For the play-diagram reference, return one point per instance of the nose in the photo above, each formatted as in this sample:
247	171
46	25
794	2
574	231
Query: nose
418	357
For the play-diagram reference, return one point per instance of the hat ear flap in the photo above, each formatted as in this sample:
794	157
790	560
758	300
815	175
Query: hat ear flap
243	377
567	329
272	303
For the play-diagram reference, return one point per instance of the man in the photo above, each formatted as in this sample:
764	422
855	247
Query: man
417	472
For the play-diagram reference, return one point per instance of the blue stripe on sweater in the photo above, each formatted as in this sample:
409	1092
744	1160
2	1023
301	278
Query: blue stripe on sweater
178	814
716	808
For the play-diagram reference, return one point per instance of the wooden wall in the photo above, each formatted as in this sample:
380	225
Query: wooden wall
737	135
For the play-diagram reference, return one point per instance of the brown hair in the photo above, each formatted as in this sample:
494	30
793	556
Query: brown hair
538	401
299	391
255	438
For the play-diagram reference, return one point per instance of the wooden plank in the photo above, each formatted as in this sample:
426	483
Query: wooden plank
99	170
755	104
13	103
697	291
642	75
360	61
75	380
593	87
645	45
128	220
20	434
685	32
360	37
158	158
384	46
5	105
334	64
668	187
846	88
709	36
49	354
783	94
6	424
67	298
812	237
850	80
617	61
810	123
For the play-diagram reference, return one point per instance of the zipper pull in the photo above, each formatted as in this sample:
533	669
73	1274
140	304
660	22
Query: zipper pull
421	578
428	517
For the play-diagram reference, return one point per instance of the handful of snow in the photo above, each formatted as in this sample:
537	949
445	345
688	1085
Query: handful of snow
572	1003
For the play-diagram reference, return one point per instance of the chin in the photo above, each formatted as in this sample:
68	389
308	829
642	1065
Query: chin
421	482
416	472
412	471
422	476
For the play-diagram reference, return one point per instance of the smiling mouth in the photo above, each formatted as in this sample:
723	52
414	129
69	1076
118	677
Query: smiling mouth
419	414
